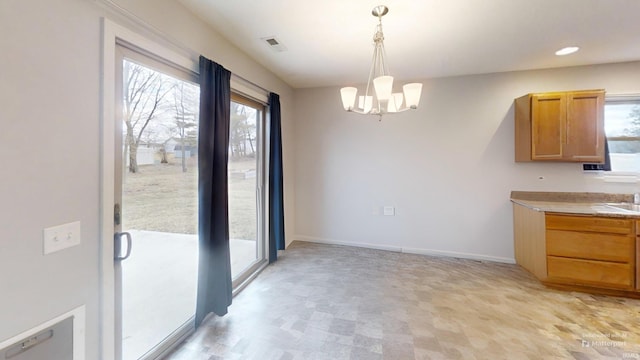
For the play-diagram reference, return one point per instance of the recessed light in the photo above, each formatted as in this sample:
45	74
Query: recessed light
568	50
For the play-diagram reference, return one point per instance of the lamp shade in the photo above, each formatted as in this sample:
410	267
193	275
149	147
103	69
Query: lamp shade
412	94
383	86
348	95
365	103
395	103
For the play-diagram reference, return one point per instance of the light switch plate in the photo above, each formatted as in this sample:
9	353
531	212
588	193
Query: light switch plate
60	237
389	211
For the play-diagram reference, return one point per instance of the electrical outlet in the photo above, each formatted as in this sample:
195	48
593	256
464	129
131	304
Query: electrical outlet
60	237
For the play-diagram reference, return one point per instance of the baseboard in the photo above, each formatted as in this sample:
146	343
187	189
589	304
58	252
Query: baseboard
460	255
346	243
430	252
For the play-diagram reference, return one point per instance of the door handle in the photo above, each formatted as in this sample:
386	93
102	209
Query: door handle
117	246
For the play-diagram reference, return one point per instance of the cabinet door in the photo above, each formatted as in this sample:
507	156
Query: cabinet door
585	127
548	116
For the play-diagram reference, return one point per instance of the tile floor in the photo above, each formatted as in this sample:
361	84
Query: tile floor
337	302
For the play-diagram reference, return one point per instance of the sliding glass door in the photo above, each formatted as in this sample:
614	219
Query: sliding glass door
156	200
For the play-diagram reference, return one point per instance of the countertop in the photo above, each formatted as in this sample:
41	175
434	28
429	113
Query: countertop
575	203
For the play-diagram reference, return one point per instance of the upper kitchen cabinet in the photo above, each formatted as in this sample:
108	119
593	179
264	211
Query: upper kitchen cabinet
560	126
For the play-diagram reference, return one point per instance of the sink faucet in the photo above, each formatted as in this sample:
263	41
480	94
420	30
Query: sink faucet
636	198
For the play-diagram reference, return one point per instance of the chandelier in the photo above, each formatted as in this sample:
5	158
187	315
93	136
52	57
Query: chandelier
380	99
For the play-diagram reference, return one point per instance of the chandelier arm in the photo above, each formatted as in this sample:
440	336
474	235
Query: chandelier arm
373	111
376	112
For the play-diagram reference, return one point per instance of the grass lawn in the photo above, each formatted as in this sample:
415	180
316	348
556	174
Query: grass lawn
161	197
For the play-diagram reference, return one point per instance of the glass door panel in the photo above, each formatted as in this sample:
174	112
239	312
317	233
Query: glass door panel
245	184
158	175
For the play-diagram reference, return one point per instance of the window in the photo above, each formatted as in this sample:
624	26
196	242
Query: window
622	128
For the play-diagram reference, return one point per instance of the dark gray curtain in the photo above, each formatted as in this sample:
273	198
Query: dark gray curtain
214	270
276	200
606	165
607	157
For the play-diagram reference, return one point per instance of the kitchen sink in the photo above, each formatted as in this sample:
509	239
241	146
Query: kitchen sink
626	206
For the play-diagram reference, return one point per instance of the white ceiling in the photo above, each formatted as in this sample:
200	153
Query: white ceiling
329	42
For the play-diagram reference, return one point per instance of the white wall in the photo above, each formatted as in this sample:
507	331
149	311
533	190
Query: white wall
448	167
50	99
49	90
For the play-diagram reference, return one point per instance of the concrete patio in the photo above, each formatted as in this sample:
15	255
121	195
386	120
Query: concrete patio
159	285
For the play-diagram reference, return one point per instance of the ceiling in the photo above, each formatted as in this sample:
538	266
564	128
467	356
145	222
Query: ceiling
329	42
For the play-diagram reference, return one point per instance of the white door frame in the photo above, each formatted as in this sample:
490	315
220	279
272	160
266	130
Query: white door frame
111	33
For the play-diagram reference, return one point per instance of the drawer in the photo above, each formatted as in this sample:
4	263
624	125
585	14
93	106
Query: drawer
594	246
590	224
638	259
590	272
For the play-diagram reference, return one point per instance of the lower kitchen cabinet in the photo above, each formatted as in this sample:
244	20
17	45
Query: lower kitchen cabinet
591	251
598	254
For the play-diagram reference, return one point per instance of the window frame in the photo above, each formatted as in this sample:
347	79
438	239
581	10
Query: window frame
165	51
113	35
632	98
623	99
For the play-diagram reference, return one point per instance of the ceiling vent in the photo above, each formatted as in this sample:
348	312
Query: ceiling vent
274	44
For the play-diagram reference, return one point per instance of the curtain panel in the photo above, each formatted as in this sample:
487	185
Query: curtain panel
214	268
276	198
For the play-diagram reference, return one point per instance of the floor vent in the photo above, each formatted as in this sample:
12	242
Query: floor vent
55	342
